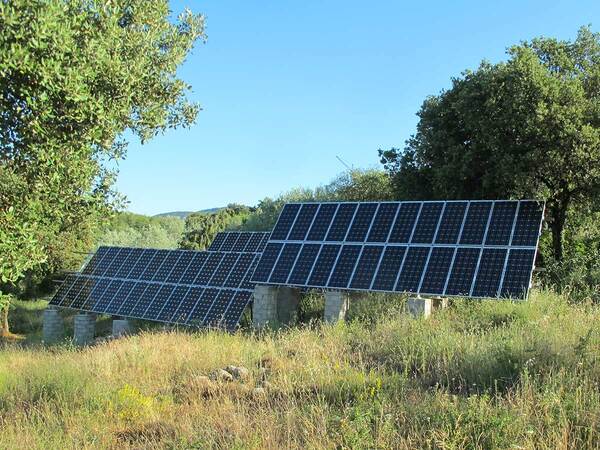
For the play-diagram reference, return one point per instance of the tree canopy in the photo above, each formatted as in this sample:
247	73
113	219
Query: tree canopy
527	127
75	75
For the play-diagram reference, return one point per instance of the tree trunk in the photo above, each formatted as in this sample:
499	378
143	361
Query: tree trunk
558	214
4	330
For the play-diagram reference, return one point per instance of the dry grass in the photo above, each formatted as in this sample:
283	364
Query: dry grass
481	375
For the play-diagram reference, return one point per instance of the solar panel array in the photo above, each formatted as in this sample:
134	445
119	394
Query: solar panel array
240	241
208	289
452	248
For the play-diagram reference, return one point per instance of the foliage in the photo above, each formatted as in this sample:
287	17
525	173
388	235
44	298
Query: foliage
76	75
481	374
201	228
527	127
135	230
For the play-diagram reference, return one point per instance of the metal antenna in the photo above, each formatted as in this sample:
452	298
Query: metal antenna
344	163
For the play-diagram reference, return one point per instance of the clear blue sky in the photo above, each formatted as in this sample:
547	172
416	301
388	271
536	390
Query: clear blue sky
286	86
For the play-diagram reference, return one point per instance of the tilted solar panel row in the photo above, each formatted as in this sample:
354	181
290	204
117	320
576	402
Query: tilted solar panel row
187	267
452	222
187	305
161	285
462	248
450	271
240	241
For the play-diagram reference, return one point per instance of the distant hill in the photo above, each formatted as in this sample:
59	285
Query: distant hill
184	214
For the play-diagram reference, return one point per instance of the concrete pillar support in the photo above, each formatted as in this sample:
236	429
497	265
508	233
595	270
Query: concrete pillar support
419	307
264	309
121	327
85	329
287	304
53	329
336	305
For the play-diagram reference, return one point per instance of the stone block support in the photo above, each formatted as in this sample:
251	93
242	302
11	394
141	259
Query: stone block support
419	307
121	327
336	305
264	309
85	329
53	329
287	304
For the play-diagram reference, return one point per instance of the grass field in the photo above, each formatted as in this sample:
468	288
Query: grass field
478	375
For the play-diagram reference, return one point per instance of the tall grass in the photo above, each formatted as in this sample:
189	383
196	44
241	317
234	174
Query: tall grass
478	375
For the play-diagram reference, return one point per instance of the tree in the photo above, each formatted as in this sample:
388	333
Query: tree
527	127
201	228
75	75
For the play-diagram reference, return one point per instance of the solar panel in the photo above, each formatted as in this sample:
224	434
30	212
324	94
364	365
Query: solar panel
240	241
460	248
173	286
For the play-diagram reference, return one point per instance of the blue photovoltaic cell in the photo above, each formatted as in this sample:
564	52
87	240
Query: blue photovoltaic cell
236	309
65	286
92	267
304	264
167	266
160	299
303	222
427	223
180	266
340	277
145	299
451	223
117	261
341	222
382	224
230	243
527	227
255	243
405	222
388	269
120	297
362	222
322	221
99	288
324	264
154	265
132	257
366	267
242	242
284	263
489	273
209	268
437	270
202	306
216	314
285	222
105	262
518	273
187	305
412	269
236	276
172	303
217	242
248	283
475	223
107	296
194	268
501	223
79	293
140	265
223	270
267	261
132	299
463	270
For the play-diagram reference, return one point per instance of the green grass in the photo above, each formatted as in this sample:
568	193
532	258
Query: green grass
478	375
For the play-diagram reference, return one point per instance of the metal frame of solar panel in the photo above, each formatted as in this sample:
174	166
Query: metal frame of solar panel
473	248
240	241
199	288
